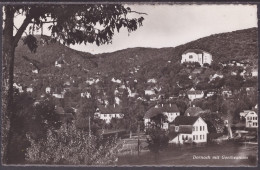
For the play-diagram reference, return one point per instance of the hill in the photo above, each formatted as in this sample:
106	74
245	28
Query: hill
128	64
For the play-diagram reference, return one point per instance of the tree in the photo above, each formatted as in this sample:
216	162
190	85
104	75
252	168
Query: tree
157	140
69	24
71	146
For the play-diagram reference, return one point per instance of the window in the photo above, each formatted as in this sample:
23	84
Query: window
200	128
176	128
203	128
255	118
193	128
190	56
193	137
196	128
182	137
196	137
200	136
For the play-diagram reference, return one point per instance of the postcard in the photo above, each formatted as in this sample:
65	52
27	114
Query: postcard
130	84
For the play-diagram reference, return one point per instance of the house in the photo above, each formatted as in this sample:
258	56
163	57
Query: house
195	94
188	129
149	91
29	89
254	72
48	90
210	93
226	92
169	110
196	55
107	112
193	111
250	117
36	71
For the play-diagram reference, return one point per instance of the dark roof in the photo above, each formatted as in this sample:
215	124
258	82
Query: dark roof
153	112
110	109
172	134
170	108
166	108
193	111
185	120
197	51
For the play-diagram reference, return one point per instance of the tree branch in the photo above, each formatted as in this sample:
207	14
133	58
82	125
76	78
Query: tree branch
138	12
21	30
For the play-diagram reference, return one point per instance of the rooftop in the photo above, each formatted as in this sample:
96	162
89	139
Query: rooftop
185	120
193	111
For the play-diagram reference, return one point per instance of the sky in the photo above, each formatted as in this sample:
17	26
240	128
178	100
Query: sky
172	25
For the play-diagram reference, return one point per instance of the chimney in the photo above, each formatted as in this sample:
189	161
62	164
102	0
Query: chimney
114	105
162	105
170	105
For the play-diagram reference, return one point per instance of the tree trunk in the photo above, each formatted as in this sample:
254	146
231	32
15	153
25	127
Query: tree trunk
8	54
9	44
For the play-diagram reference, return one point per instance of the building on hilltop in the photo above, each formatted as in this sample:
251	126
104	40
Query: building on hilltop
188	129
196	55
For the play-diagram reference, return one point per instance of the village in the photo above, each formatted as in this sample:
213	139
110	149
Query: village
189	125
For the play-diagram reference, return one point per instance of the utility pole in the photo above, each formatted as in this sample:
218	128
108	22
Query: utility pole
89	130
138	142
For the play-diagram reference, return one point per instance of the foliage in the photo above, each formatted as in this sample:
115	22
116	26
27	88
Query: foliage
157	140
71	146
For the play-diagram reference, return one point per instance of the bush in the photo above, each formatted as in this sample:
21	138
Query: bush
69	145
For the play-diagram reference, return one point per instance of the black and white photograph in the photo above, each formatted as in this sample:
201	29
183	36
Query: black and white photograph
129	84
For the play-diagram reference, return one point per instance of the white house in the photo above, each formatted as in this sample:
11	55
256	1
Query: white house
195	94
170	110
188	129
196	55
254	72
250	117
29	89
48	90
106	113
149	92
36	71
226	92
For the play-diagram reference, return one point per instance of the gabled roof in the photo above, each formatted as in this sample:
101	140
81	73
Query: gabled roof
185	120
166	108
170	108
153	112
193	111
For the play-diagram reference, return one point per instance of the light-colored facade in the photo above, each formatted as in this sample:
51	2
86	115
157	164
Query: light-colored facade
195	132
195	94
195	55
251	118
108	117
